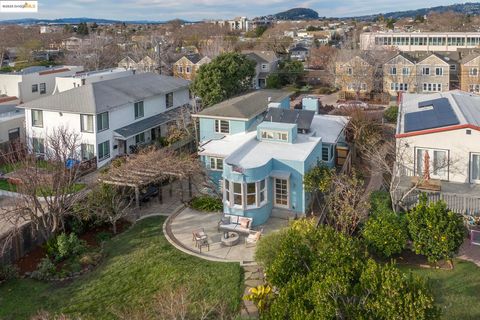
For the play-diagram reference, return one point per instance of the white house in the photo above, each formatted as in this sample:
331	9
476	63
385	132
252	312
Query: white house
111	117
11	122
80	79
444	129
33	82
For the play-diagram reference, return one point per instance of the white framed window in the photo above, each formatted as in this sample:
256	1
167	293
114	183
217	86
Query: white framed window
264	66
102	121
34	88
274	135
86	123
43	88
426	71
222	126
438	162
104	150
37	118
439	71
87	151
180	69
349	71
138	109
432	87
169	100
406	71
237	191
140	138
475	167
216	163
38	145
473	72
251	194
393	70
262	192
226	191
475	88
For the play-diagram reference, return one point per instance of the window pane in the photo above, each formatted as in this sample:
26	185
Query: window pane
476	167
237	199
220	164
212	163
237	188
251	199
250	187
262	184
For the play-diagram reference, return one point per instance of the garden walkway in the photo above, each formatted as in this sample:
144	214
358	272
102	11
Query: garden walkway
469	252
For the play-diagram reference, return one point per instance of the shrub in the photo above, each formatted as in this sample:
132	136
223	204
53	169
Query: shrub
436	232
391	114
8	272
380	201
103	236
385	233
65	246
206	203
45	270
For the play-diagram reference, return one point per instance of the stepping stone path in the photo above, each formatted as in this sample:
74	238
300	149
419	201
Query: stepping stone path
253	278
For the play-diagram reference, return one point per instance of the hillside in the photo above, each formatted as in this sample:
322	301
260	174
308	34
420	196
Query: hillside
463	8
293	14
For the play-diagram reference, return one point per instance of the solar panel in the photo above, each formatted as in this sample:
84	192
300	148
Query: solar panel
302	118
437	113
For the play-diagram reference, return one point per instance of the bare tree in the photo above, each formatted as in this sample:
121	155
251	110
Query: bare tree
347	203
46	188
96	52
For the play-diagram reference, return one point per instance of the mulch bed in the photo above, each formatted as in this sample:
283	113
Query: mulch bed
29	262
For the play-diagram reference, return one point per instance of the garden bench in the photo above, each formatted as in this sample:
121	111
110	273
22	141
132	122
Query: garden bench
240	224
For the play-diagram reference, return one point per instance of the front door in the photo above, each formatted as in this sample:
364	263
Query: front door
281	193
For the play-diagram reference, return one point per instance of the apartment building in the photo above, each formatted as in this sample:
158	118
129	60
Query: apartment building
420	41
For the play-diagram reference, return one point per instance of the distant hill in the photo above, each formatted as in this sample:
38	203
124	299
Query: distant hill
463	8
293	14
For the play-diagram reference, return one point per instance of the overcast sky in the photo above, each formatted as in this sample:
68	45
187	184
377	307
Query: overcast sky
160	10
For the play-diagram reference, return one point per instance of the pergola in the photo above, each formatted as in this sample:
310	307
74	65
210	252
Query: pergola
152	166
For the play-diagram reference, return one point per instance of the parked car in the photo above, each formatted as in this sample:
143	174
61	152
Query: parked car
147	193
353	104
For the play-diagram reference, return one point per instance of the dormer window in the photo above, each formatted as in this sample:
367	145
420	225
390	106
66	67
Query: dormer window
264	66
222	126
274	135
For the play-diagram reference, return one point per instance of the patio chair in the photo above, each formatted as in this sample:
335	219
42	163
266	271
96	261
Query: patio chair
252	238
203	243
199	235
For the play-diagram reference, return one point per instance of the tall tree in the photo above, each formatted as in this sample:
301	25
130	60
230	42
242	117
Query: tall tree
227	75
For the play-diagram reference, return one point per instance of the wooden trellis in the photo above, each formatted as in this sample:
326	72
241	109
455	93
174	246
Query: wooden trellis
152	166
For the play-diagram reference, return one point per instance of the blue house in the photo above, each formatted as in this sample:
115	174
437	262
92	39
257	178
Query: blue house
260	169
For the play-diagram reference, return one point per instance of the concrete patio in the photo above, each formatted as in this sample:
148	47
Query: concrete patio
179	232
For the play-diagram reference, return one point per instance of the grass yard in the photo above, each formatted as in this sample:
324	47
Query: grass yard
456	291
139	264
4	185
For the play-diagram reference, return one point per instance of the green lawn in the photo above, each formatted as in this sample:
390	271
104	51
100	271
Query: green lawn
457	291
139	264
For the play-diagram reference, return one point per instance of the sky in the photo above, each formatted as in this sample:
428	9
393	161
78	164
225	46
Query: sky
162	10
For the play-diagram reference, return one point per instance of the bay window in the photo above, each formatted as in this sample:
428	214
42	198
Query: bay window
237	194
246	195
251	194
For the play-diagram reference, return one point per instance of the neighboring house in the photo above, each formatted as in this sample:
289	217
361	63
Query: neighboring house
187	66
75	43
146	64
433	74
400	74
82	78
260	168
298	52
12	122
355	75
470	73
111	117
446	126
266	63
33	82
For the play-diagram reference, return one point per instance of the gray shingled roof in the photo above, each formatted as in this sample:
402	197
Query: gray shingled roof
105	95
245	106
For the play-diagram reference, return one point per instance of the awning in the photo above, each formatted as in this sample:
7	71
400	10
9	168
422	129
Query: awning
280	174
146	124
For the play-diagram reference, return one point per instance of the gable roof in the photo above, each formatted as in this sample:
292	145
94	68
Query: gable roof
470	57
442	58
106	95
245	106
193	58
261	56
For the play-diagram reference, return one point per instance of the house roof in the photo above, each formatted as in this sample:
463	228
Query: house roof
193	58
470	57
261	56
245	106
106	95
148	123
454	110
298	48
